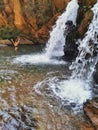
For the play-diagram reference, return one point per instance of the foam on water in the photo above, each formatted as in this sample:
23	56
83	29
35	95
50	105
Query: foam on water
74	91
37	59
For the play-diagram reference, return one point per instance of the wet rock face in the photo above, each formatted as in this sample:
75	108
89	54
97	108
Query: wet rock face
32	17
85	22
85	15
91	111
70	48
95	74
87	2
17	118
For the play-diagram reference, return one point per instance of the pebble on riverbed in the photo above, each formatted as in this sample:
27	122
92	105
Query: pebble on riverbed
17	118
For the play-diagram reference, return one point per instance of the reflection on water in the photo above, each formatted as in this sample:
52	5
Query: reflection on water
21	108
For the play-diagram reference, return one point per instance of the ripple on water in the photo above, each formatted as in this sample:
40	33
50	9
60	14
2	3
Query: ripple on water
6	74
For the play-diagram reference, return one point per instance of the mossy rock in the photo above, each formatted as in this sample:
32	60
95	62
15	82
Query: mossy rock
85	22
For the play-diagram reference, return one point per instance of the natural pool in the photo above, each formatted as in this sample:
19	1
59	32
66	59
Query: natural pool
26	100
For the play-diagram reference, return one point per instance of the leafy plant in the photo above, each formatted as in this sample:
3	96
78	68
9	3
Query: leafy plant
9	33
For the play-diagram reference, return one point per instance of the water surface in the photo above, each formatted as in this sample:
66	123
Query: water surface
26	99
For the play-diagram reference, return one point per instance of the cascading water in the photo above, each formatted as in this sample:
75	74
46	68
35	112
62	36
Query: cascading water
55	44
77	88
85	61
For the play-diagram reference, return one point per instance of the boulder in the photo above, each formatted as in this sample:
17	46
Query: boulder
91	111
84	16
70	47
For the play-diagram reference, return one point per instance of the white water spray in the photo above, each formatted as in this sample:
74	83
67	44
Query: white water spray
54	46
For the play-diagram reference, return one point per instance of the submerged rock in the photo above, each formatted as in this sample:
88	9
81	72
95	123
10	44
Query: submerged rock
17	118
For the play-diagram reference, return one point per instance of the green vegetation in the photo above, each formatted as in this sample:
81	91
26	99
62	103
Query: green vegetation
9	33
40	10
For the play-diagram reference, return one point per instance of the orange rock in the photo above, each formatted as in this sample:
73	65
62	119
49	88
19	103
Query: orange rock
2	20
52	21
43	33
18	17
31	21
35	18
24	40
8	9
91	111
60	4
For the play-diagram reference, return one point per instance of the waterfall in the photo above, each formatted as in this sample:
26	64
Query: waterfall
54	46
77	88
84	66
56	42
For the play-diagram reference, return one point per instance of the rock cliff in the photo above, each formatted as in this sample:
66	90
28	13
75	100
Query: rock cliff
35	18
85	15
